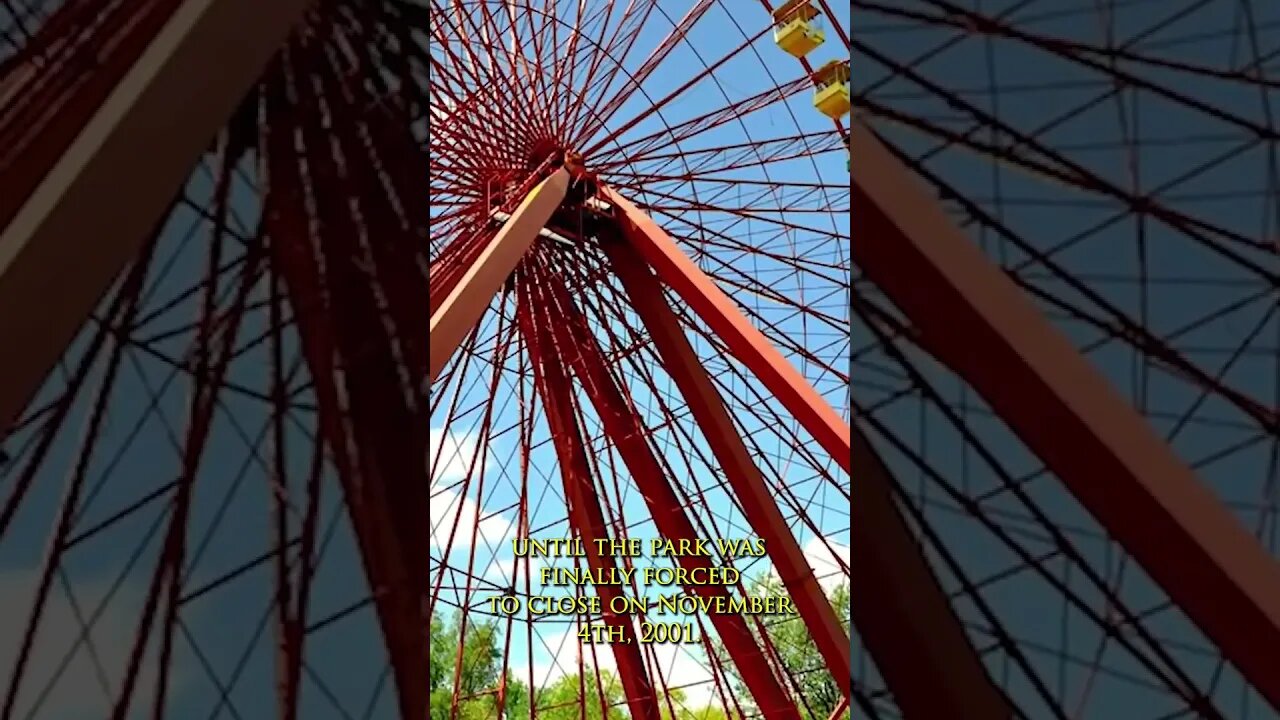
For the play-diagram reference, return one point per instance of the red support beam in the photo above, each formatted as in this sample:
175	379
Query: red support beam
586	517
466	302
724	318
988	332
629	435
904	618
370	393
682	364
148	132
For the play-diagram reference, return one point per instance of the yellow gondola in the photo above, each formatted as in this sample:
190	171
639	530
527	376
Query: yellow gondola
831	96
797	27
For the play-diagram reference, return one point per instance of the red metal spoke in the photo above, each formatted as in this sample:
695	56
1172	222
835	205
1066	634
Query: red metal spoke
646	69
623	427
585	515
707	121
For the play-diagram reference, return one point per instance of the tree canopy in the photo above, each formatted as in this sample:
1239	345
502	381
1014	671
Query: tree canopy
479	674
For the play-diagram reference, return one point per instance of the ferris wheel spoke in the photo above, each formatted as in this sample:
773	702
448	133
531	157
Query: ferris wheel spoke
952	673
1074	52
733	215
642	74
586	515
687	129
477	75
600	51
1149	204
658	105
738	155
664	505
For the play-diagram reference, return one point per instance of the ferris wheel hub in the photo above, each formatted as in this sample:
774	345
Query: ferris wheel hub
543	152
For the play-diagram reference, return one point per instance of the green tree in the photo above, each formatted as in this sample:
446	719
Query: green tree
797	651
560	699
477	678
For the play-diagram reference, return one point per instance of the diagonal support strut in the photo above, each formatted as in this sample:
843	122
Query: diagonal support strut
747	343
466	302
58	232
988	332
648	242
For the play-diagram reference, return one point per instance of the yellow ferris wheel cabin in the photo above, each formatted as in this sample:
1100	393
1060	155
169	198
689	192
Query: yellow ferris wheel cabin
831	95
797	27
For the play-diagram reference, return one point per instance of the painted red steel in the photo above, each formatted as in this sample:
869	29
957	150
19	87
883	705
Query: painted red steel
372	416
747	343
585	514
628	433
983	327
459	312
681	363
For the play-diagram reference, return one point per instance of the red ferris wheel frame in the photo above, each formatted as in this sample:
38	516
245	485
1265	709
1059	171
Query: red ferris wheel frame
970	316
642	256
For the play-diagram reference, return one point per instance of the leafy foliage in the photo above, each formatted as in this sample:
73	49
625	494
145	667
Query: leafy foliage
478	675
798	653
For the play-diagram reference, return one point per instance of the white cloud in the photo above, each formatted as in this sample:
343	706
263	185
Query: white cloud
448	509
501	571
453	458
822	557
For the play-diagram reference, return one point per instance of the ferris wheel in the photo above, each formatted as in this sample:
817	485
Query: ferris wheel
640	290
644	290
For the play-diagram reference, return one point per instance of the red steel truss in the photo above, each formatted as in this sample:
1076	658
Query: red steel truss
563	334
